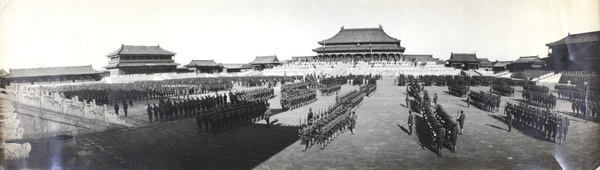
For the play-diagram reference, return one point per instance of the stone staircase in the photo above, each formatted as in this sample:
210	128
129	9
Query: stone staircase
340	69
550	79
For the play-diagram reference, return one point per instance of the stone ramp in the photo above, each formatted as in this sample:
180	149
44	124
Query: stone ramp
551	79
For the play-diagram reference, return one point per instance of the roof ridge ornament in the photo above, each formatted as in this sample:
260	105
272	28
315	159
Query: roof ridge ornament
380	27
342	27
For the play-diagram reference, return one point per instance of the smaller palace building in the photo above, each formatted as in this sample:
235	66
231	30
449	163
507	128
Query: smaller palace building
263	62
360	44
129	59
465	61
526	63
204	66
54	74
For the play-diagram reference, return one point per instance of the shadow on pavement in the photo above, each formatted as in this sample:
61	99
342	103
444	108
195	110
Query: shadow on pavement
494	126
424	137
174	145
529	131
579	116
403	129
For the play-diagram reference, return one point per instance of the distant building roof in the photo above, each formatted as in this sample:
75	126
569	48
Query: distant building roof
3	73
265	60
360	35
302	57
140	50
237	66
202	63
52	71
418	57
528	59
157	64
484	62
578	38
463	57
501	63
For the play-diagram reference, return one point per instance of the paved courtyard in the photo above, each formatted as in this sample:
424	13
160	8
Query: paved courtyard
380	141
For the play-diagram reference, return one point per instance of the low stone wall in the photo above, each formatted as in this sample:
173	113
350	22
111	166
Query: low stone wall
37	97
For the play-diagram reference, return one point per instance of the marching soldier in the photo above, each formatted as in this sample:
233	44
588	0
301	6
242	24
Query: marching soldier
125	107
461	121
509	116
156	112
267	115
309	118
566	127
116	109
407	101
149	109
411	121
440	138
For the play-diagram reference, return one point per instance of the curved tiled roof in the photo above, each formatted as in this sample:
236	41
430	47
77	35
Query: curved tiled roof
52	71
237	66
202	63
528	59
484	62
463	57
362	48
578	38
3	73
154	64
360	35
141	50
265	60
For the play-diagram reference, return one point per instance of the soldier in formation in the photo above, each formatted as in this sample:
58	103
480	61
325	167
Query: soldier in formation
547	124
329	123
484	100
539	96
223	117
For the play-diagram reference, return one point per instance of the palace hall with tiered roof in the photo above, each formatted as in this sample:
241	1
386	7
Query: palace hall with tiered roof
359	44
130	59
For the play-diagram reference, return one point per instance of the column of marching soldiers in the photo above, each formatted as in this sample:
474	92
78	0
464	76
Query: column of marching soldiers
322	127
440	128
552	126
296	95
246	107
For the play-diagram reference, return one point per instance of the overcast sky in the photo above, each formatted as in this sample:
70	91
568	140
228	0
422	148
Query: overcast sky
74	32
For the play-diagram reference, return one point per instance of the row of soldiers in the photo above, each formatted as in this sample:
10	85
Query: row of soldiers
231	116
440	128
295	95
536	88
324	126
330	89
254	95
298	98
368	89
484	100
327	125
142	90
576	93
540	99
458	89
589	110
547	124
169	110
503	89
